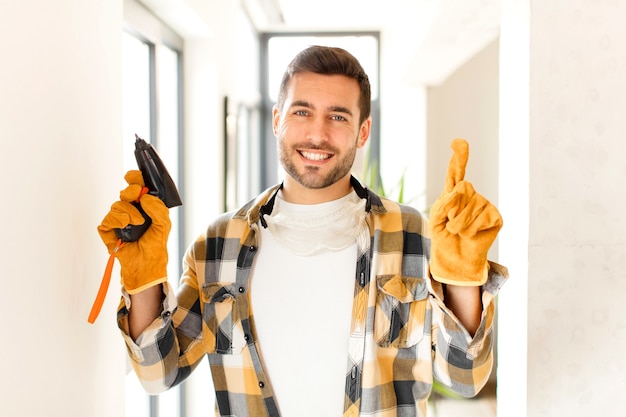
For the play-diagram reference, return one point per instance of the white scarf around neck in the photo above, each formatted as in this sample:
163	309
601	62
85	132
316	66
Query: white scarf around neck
307	230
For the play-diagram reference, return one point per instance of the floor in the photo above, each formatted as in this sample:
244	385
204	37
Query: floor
484	405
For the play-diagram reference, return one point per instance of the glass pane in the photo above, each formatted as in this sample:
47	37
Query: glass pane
136	120
136	96
167	67
282	49
168	143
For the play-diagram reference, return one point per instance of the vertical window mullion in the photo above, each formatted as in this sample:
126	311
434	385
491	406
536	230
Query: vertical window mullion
154	406
154	128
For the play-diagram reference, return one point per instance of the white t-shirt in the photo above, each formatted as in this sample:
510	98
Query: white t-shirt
302	307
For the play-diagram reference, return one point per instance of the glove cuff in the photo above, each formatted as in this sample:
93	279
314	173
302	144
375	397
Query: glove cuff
470	280
145	286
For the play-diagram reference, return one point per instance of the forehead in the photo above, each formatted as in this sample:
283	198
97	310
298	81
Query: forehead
334	89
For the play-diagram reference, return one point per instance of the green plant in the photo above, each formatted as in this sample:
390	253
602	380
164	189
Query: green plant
371	178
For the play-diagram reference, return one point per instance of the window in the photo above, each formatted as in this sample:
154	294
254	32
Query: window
279	49
152	105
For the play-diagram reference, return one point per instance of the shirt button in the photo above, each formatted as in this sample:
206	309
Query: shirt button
242	289
261	384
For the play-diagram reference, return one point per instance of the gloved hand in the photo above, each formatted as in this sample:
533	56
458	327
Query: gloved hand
463	225
143	262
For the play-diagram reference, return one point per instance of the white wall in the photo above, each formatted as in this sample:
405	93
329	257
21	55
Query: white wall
563	98
61	163
60	125
465	106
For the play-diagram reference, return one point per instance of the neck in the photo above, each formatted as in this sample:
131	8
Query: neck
296	193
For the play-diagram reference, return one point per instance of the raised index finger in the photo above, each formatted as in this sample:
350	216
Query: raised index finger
458	162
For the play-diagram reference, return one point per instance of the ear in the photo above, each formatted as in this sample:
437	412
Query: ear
275	119
364	132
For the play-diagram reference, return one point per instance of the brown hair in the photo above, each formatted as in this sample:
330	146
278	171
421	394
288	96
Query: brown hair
329	61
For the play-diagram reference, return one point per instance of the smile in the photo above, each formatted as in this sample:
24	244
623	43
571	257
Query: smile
315	156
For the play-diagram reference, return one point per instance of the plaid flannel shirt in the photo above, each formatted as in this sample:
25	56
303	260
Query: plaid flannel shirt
401	336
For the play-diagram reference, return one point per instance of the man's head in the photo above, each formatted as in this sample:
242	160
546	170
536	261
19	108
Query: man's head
321	119
328	61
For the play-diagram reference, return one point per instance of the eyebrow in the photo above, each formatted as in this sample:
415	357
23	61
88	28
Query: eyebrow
304	103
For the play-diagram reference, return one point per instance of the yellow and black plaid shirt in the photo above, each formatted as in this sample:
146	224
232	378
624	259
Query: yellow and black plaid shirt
401	335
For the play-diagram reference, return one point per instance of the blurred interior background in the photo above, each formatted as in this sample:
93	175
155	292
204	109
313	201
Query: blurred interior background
536	88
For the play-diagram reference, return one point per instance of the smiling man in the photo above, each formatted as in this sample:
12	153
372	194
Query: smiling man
319	297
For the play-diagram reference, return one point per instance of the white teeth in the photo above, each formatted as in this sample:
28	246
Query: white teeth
315	156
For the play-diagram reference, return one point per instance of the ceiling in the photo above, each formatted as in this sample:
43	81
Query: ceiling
434	37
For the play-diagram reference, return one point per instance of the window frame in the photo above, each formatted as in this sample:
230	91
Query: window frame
142	24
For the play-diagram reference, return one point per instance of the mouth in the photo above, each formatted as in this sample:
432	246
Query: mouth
315	156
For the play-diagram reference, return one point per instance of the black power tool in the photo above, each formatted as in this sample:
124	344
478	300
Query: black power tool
159	184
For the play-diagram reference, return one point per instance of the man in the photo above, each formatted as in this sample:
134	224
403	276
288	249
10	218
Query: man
318	298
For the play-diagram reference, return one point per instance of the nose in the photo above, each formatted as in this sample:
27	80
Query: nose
317	130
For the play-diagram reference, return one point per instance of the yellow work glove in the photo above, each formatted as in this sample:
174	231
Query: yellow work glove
143	262
463	225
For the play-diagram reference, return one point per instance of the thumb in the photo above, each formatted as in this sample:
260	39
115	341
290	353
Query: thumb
457	164
156	209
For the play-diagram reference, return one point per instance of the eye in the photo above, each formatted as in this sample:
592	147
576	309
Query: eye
301	113
338	118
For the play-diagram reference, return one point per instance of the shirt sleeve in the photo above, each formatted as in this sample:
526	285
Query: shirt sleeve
461	362
166	352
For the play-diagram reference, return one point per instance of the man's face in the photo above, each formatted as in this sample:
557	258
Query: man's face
318	129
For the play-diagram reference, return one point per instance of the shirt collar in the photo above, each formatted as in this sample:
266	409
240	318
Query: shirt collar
359	189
